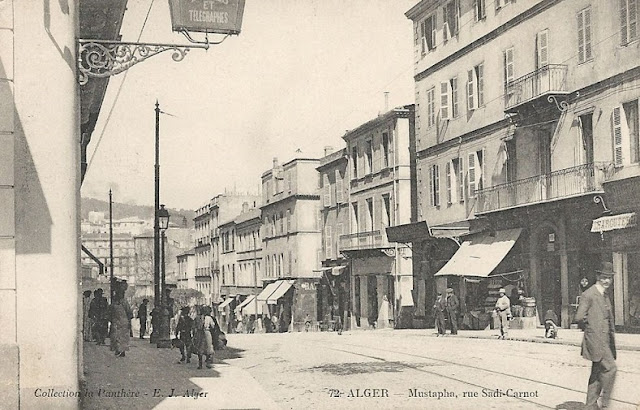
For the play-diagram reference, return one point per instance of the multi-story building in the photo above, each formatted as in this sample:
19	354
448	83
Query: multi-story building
202	250
290	241
123	254
187	270
335	281
379	197
526	130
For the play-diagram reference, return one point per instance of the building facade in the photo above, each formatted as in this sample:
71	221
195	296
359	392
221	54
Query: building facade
523	129
123	254
379	197
291	239
203	278
187	270
335	284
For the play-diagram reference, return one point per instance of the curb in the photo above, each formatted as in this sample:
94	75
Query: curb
548	341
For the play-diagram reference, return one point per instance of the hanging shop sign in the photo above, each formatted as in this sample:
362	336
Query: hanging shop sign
207	16
610	223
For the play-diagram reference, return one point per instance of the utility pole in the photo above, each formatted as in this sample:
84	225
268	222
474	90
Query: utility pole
111	278
156	237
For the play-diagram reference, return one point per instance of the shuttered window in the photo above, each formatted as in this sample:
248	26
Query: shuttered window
628	21
542	49
445	97
584	35
617	136
431	106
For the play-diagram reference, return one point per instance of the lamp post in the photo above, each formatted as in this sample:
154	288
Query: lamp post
111	278
155	314
164	334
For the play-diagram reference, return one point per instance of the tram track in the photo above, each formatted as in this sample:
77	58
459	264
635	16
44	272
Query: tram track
331	346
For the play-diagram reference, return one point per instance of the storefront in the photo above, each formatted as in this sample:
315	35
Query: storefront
333	298
287	304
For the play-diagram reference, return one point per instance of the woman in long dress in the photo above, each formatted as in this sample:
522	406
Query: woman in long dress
203	340
121	316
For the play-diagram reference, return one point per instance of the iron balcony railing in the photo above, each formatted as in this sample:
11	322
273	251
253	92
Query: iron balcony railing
550	79
582	179
363	240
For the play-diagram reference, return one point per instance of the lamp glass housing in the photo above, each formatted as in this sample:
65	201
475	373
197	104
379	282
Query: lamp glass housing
163	217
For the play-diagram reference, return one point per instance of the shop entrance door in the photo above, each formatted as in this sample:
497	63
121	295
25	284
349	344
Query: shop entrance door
372	293
551	290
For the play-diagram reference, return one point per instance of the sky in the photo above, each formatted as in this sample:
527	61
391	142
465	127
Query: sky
299	75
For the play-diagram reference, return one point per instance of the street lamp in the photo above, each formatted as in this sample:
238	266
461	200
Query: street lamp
164	336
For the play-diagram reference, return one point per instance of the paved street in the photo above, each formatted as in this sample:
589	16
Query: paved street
385	369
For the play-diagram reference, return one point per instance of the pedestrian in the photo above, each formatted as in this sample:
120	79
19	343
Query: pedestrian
307	323
275	323
550	324
99	314
184	332
204	330
503	312
121	315
438	312
595	317
86	320
452	307
142	316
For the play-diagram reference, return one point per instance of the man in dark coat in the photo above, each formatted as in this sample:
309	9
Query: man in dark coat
439	308
142	315
453	305
98	312
596	318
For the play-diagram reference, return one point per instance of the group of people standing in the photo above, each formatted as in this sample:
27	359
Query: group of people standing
446	307
102	320
198	333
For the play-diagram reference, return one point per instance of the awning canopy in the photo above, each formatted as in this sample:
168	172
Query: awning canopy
612	222
479	256
245	302
266	292
250	308
283	287
224	304
337	270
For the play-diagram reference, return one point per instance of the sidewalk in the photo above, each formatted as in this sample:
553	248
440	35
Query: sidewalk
573	337
149	377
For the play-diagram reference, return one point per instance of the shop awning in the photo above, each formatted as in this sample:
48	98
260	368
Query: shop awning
337	270
250	309
283	287
245	302
224	304
406	286
480	255
266	292
612	222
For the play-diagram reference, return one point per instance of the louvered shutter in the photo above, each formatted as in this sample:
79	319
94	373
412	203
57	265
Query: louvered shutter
618	136
633	20
432	200
326	186
461	179
623	22
436	184
339	188
328	243
444	101
479	77
581	44
471	86
472	174
542	48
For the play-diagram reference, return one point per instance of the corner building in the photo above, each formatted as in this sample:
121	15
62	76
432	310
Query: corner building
526	138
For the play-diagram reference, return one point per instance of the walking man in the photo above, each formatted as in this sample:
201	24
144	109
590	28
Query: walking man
438	311
453	305
503	310
142	316
99	313
598	345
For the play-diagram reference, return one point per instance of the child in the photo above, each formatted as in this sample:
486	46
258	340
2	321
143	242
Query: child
183	332
550	327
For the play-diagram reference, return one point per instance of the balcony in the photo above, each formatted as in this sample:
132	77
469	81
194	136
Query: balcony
565	183
546	81
363	240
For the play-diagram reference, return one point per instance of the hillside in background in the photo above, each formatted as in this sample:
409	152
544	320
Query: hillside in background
121	211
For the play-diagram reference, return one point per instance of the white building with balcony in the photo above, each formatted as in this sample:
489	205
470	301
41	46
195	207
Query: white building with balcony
526	114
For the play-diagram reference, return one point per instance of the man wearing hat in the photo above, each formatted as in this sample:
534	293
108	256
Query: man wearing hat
453	304
503	310
598	345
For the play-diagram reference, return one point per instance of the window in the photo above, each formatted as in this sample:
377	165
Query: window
479	9
450	23
354	217
449	183
475	87
509	73
453	85
626	138
354	161
542	49
328	249
288	220
449	99
326	191
290	264
476	172
458	173
434	185
385	149
386	211
501	3
339	188
628	21
431	106
444	100
370	219
584	35
369	157
428	33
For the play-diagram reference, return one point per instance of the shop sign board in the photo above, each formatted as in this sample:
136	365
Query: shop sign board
210	16
610	223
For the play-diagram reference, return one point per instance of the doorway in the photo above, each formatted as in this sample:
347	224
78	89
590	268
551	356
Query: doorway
550	272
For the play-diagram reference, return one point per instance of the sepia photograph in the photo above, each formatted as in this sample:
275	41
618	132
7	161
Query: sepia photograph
319	204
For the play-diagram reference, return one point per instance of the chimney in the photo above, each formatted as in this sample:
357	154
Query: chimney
328	149
386	101
245	207
275	162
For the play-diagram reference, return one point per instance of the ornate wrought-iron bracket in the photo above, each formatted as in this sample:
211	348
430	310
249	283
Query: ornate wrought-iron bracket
562	105
104	58
598	199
